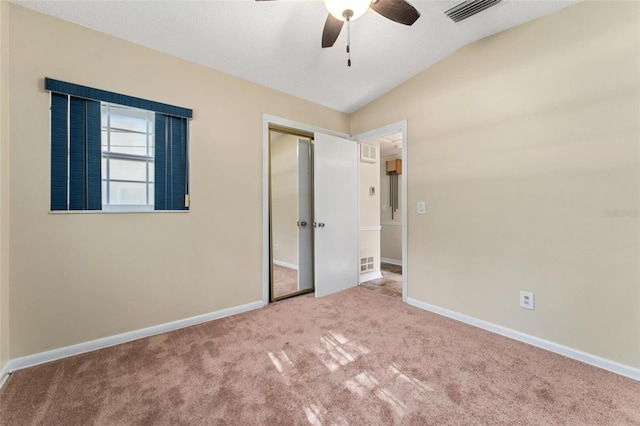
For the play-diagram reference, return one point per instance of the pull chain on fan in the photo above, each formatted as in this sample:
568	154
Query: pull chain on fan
341	11
349	42
347	14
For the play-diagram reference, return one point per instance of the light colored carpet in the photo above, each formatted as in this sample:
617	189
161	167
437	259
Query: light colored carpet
285	281
358	357
390	283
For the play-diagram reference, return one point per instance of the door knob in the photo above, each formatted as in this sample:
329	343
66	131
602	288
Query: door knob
302	223
321	225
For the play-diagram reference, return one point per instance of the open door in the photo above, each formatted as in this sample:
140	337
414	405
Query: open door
336	214
305	214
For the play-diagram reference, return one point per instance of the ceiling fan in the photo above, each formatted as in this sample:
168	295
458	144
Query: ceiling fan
341	11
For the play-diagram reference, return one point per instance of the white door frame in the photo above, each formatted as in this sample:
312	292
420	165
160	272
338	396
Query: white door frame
268	119
400	126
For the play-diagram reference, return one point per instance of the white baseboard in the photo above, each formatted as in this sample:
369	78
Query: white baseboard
285	264
4	374
370	276
391	261
80	348
587	358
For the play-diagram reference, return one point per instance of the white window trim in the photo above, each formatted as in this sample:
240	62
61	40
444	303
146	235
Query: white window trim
128	157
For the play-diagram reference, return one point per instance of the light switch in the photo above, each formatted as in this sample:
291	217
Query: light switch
422	207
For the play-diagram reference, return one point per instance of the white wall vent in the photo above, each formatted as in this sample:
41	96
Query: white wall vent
368	153
366	264
469	8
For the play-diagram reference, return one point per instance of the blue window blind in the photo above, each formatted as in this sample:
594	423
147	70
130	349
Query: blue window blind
59	152
76	175
84	92
75	154
85	190
171	164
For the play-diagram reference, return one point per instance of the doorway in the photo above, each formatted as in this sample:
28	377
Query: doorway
383	230
380	208
291	197
333	222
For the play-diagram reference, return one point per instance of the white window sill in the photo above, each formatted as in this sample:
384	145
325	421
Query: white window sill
55	212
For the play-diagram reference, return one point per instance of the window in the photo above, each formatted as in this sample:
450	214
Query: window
116	152
127	157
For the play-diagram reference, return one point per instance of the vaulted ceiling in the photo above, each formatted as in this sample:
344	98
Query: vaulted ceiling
278	43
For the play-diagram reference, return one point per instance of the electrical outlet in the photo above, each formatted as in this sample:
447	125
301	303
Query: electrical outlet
275	246
526	300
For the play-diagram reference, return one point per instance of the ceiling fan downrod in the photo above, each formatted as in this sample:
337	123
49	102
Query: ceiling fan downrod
348	13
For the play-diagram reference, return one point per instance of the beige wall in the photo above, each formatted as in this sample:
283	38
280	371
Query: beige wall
391	243
520	144
78	277
284	197
370	211
391	233
4	183
369	204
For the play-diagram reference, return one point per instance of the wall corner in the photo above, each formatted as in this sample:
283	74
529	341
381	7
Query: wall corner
5	10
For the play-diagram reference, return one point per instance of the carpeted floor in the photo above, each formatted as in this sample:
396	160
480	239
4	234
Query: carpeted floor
285	281
358	357
390	283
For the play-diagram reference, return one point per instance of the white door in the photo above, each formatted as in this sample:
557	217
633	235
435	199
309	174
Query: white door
336	214
305	228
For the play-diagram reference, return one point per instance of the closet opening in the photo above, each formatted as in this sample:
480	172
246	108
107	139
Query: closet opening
290	213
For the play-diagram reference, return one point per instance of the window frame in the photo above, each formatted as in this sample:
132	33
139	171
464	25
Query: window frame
147	159
66	96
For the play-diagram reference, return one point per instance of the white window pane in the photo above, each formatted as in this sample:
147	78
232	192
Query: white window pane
128	193
128	119
104	141
130	150
104	111
152	123
128	143
127	131
103	168
128	170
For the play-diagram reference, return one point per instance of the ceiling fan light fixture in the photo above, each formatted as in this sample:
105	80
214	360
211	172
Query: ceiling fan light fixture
339	9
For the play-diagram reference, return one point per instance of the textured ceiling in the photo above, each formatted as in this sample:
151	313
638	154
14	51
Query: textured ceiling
277	43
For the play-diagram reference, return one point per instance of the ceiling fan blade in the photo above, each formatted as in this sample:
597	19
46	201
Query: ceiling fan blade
397	10
331	31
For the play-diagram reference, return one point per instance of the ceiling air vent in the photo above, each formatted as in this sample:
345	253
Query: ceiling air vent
467	9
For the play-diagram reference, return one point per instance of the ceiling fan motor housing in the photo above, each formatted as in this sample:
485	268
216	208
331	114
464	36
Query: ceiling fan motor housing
347	10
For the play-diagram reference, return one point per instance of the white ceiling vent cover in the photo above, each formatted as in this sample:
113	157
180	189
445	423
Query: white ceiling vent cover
469	8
